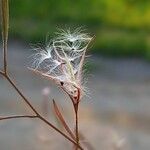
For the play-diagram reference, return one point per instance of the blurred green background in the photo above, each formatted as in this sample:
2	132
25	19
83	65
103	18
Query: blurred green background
121	27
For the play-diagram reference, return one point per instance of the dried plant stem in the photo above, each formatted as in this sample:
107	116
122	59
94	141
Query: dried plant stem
76	125
15	117
5	25
35	111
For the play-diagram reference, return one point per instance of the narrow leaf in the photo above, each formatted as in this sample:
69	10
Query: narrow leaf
61	118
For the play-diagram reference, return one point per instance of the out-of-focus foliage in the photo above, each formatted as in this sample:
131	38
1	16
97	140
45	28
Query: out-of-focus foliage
122	27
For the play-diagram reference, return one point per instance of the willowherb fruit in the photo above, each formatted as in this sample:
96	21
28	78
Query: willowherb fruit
62	60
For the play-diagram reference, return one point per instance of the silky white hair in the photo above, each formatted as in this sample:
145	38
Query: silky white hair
62	58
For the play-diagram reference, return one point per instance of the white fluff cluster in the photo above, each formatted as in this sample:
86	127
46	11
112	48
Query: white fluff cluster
62	59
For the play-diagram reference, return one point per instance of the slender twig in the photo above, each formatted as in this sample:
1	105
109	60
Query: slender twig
76	124
15	117
35	111
5	26
41	118
76	107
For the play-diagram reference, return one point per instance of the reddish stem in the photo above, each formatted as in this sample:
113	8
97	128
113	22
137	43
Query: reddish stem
76	124
15	117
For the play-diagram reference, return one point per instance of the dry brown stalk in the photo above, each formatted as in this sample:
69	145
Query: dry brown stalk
15	117
5	74
5	26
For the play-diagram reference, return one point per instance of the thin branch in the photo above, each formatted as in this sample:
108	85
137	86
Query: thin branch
76	124
15	117
41	118
35	111
5	26
76	107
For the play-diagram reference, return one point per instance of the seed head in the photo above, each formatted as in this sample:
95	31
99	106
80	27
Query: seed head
62	60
